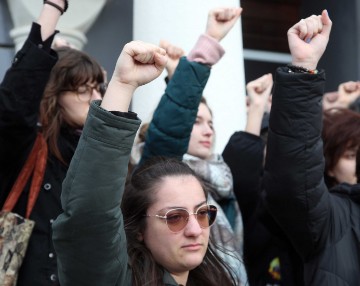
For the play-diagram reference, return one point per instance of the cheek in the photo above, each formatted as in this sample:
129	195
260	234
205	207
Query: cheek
159	242
77	114
348	167
194	133
192	141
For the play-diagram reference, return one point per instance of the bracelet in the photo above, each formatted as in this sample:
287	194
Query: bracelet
62	11
298	69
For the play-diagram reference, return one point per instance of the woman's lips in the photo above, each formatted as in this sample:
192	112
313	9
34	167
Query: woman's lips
206	144
193	247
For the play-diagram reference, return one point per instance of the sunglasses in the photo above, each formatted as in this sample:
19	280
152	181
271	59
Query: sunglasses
176	219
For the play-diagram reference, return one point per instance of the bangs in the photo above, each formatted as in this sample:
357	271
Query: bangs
77	68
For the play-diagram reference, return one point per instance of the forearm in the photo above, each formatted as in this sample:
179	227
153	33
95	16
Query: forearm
244	155
207	50
170	129
92	192
23	85
295	191
49	17
254	119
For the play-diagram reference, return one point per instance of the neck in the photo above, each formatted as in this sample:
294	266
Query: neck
181	278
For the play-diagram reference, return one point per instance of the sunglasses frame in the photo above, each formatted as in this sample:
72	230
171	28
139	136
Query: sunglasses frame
165	217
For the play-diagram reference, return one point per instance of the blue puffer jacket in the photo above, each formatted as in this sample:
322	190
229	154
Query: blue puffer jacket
323	225
170	129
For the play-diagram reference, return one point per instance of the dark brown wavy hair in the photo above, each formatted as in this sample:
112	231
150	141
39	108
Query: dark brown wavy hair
138	197
341	131
73	69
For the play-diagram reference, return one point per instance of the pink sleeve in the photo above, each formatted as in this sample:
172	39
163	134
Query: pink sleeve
207	51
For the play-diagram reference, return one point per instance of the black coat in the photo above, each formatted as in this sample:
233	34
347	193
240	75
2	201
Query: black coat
264	241
20	94
323	226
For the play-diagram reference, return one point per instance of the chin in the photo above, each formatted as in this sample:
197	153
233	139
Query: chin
204	155
193	265
194	261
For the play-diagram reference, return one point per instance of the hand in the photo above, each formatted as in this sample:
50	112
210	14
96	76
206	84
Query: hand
259	91
258	102
220	22
61	43
174	54
139	63
348	92
308	40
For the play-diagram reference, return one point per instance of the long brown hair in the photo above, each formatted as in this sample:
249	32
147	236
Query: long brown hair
341	131
137	198
73	69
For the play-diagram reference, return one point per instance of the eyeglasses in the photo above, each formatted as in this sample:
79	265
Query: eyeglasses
84	92
176	219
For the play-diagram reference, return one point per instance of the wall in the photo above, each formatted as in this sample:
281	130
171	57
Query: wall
6	54
341	59
111	31
106	37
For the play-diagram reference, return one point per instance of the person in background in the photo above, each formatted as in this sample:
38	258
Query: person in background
160	235
269	257
341	136
321	223
47	92
182	128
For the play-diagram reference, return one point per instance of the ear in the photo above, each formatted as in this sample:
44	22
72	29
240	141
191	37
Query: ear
330	173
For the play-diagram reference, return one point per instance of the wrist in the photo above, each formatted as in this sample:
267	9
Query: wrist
310	65
213	37
60	5
256	108
301	69
206	51
118	96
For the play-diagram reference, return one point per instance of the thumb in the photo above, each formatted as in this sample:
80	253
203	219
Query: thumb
160	60
326	23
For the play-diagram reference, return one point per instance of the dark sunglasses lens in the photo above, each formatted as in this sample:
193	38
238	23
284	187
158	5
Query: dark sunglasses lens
206	215
177	219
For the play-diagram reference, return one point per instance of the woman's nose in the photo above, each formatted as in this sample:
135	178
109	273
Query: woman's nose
193	227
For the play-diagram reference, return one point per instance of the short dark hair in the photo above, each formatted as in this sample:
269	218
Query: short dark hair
341	131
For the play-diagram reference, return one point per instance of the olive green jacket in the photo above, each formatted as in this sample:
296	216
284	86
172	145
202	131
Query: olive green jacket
89	235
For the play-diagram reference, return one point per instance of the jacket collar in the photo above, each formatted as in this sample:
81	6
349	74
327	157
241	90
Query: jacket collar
169	280
353	191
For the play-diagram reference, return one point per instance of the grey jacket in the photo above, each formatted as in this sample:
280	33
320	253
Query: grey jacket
89	235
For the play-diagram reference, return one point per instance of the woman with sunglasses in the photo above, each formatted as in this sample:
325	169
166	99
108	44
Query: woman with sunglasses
182	127
160	235
55	89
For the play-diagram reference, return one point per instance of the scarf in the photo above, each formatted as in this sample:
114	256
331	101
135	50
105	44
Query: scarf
227	231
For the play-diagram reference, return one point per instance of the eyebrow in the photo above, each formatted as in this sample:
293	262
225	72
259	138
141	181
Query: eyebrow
202	118
177	207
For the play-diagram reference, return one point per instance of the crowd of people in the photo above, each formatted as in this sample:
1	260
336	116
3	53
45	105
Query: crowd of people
279	206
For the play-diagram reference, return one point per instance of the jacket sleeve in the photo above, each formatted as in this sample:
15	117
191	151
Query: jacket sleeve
89	235
244	154
169	131
296	194
20	94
